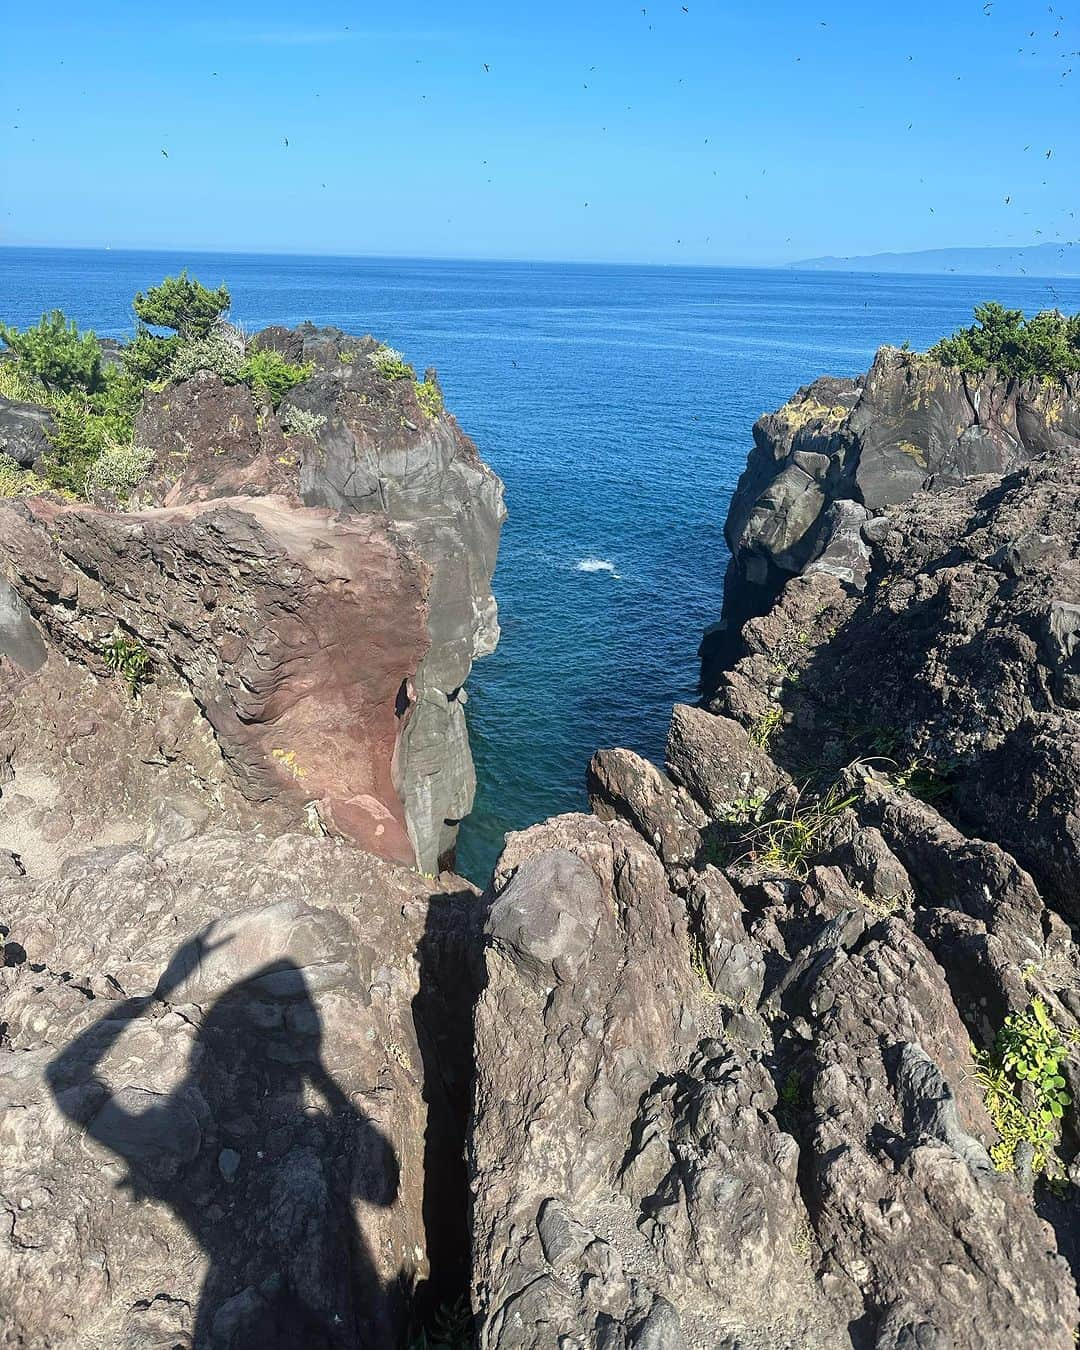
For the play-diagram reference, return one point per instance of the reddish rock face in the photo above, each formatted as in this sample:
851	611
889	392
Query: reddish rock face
214	439
296	633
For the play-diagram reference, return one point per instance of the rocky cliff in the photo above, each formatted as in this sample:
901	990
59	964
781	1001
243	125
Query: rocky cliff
309	585
780	1047
234	1041
841	451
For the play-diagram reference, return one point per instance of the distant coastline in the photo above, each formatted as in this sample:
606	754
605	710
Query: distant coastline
1036	260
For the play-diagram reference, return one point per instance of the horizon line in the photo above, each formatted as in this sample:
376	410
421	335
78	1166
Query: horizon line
802	264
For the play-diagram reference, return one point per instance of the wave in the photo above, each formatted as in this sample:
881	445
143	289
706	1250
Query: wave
596	565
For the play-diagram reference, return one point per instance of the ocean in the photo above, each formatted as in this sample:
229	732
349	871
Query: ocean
616	402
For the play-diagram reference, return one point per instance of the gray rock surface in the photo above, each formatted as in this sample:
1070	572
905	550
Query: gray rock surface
216	1084
865	841
841	447
24	429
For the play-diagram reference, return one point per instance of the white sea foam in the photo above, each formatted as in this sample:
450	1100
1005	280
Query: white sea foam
596	565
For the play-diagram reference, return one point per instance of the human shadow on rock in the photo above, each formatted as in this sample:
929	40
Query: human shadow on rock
262	1171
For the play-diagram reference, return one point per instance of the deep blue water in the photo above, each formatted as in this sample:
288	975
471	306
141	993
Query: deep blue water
616	403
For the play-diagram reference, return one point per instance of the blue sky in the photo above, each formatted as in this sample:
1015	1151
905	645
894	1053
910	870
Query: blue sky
731	133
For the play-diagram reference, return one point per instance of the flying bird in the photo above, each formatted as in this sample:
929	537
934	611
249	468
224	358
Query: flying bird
286	142
487	67
165	153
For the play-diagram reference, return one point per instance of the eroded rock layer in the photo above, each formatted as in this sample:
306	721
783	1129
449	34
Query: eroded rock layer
310	583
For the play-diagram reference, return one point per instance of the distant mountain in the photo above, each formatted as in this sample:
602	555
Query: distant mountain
1040	260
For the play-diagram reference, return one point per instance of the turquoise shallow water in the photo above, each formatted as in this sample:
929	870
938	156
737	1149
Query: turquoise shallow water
616	403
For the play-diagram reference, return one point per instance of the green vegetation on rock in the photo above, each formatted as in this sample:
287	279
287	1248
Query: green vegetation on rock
94	405
1046	346
429	396
267	369
130	660
391	365
1024	1089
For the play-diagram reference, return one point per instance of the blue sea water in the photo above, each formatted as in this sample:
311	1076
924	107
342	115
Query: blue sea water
616	403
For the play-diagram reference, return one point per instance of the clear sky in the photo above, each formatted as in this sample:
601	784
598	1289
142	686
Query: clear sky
722	132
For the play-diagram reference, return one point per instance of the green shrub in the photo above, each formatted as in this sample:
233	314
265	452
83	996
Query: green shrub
267	369
16	482
391	364
87	425
147	357
302	422
56	353
1046	346
1024	1089
429	396
182	304
16	384
116	472
130	660
220	351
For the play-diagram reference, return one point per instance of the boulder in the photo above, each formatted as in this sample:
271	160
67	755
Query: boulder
24	431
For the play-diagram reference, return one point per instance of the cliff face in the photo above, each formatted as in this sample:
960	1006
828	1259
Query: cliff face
740	1074
732	1060
841	451
234	1045
310	602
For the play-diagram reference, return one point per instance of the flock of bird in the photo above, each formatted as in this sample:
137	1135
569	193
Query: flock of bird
987	10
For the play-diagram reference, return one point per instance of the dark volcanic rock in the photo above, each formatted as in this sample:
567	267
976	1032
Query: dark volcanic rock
213	439
811	1165
24	429
908	424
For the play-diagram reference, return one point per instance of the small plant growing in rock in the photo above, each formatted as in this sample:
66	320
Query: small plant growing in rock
117	471
16	482
130	660
267	369
302	422
789	843
429	396
1024	1089
451	1328
766	726
391	365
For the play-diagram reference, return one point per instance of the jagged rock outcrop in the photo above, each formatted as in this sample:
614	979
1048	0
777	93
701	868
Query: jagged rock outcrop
311	585
841	451
864	846
220	1082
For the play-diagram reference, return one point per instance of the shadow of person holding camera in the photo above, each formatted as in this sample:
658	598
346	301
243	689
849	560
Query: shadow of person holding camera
258	1153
